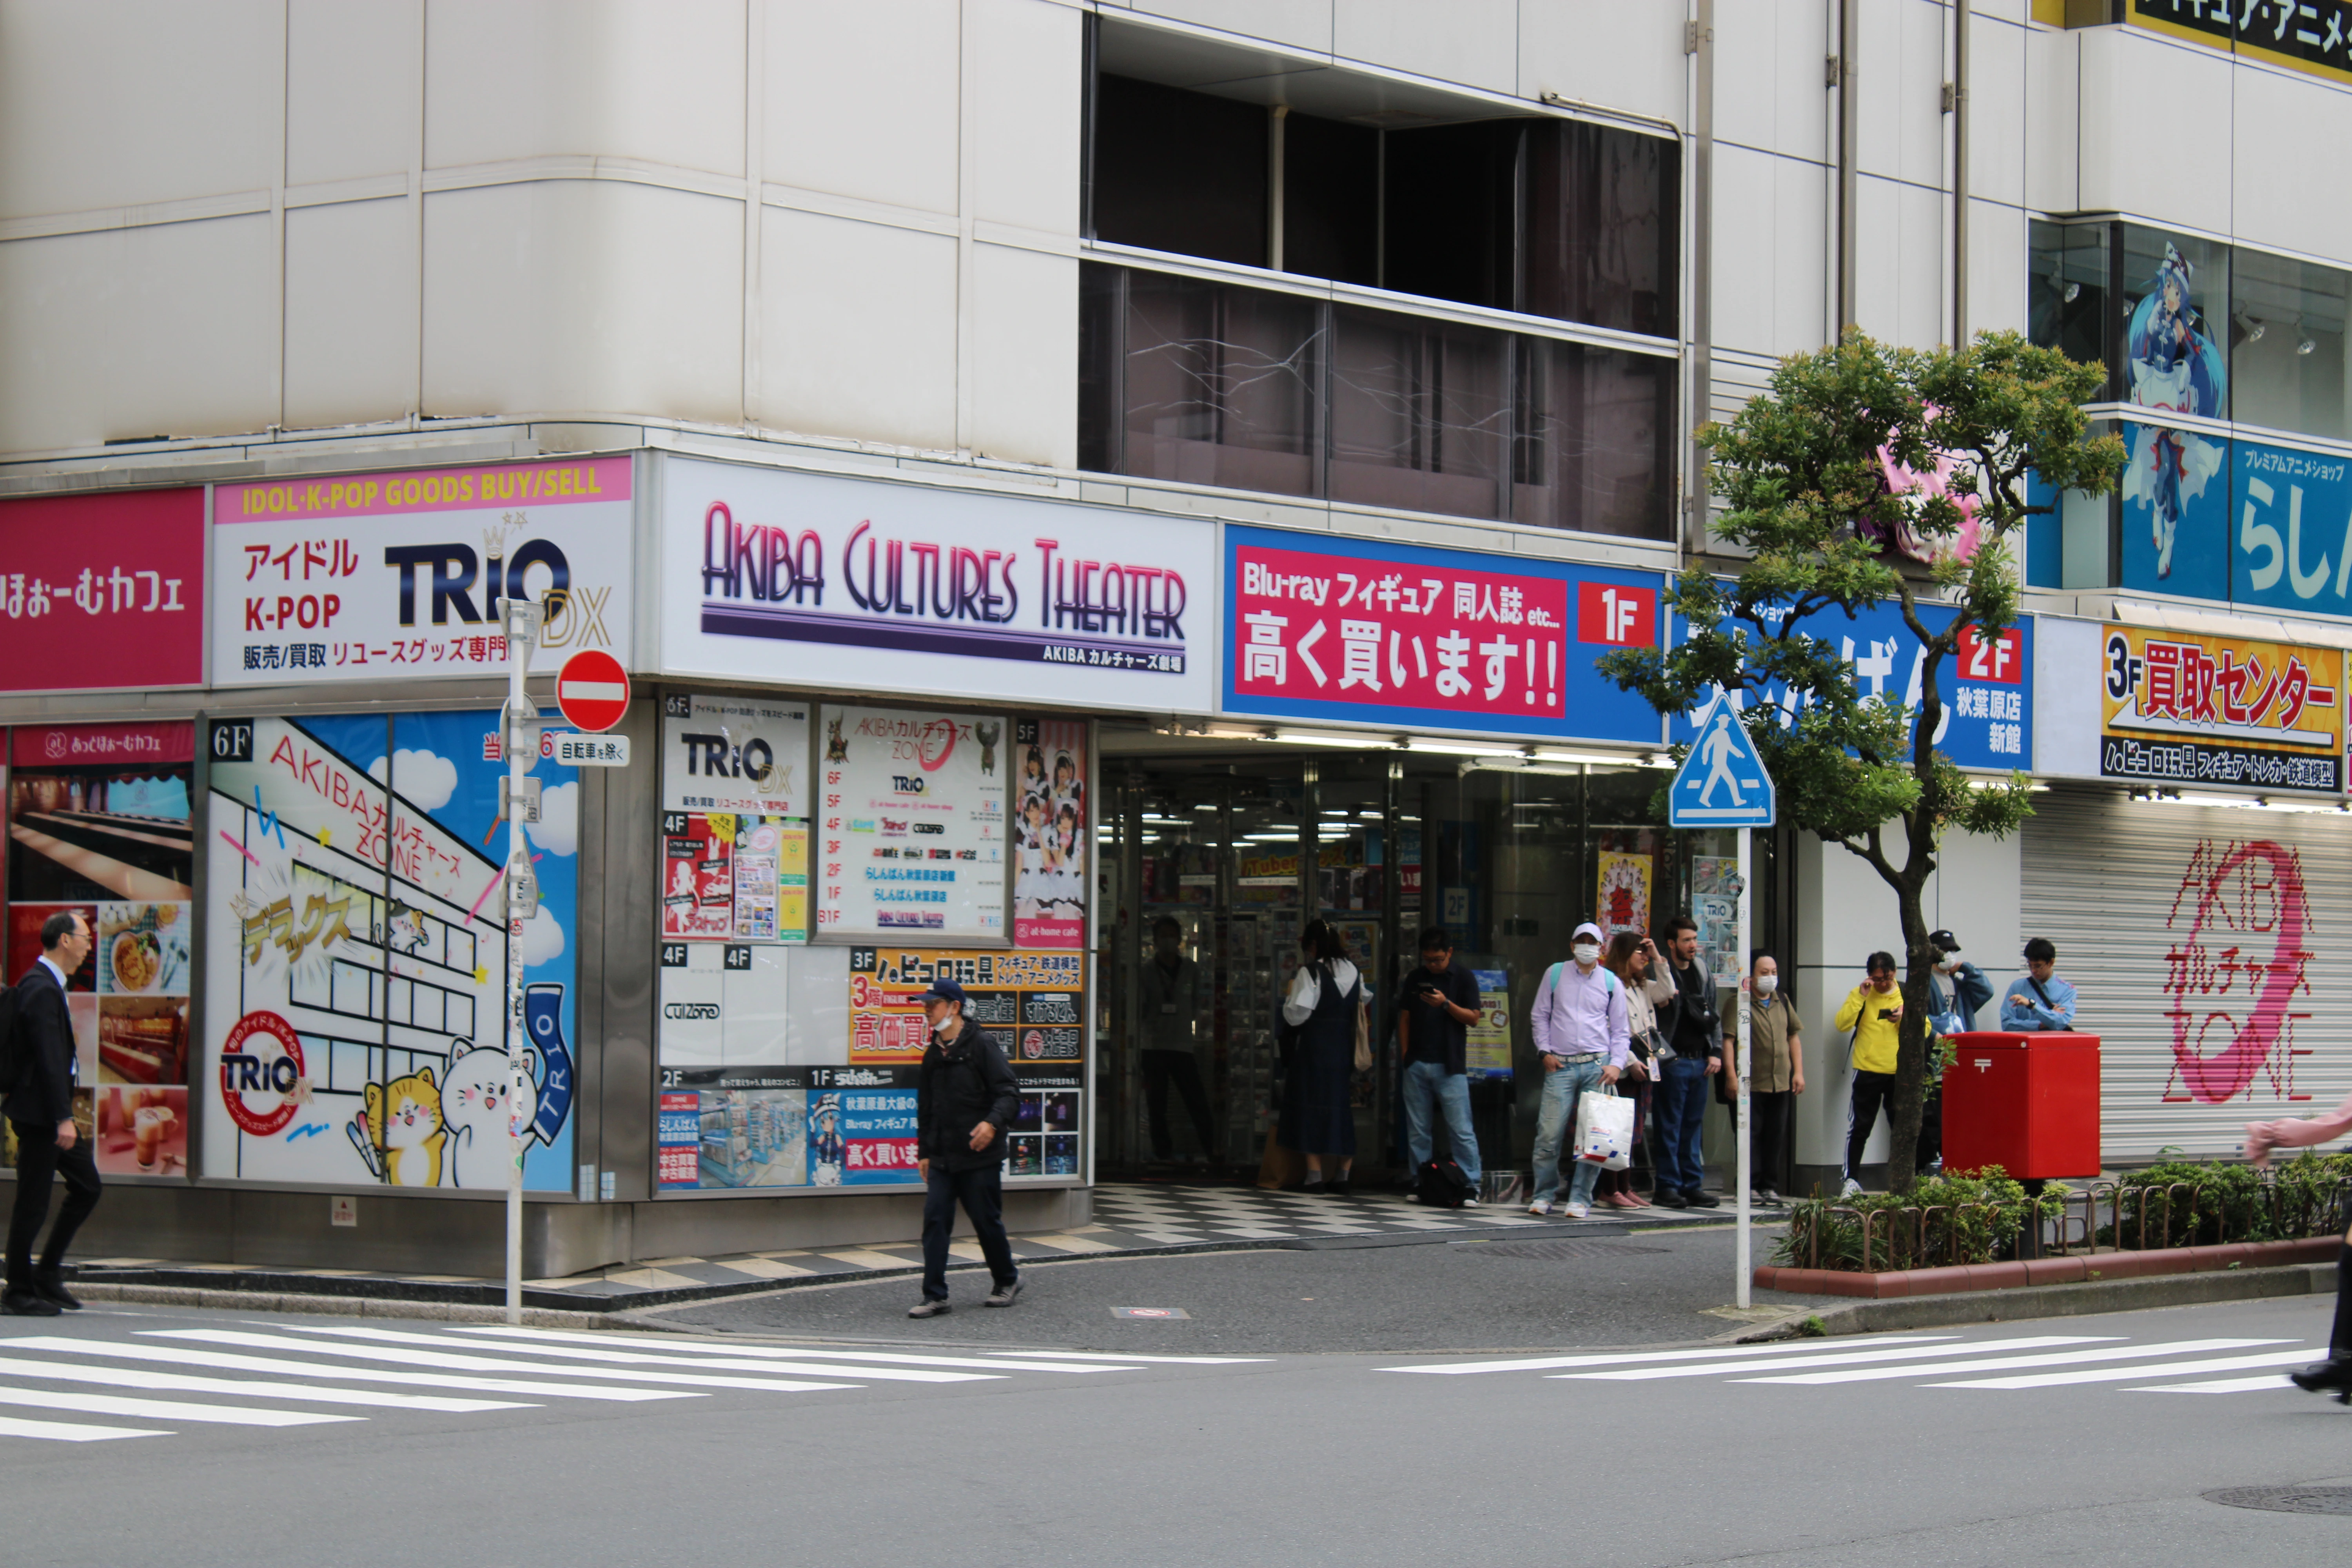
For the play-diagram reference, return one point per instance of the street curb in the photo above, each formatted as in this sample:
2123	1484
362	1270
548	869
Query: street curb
2079	1268
2088	1299
331	1306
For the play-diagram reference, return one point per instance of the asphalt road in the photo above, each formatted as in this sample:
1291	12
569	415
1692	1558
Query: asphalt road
2073	1441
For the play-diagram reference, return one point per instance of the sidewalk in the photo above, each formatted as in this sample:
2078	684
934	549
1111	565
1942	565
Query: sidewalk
1132	1219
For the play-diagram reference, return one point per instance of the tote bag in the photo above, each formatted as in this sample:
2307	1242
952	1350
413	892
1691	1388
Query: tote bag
1604	1129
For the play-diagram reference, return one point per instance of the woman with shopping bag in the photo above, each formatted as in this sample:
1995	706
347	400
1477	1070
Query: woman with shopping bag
1323	1017
1629	961
1582	1037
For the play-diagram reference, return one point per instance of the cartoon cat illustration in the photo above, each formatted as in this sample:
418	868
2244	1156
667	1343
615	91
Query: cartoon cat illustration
836	749
404	1125
475	1106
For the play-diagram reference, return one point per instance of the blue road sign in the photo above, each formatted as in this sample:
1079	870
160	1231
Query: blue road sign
1722	783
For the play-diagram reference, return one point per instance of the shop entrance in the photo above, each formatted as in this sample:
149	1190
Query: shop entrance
1216	854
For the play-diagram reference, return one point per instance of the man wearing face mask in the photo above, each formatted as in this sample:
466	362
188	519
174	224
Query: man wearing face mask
964	1098
1691	1024
1582	1038
1776	1075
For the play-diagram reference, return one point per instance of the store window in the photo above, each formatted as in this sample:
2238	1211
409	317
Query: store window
2287	321
99	826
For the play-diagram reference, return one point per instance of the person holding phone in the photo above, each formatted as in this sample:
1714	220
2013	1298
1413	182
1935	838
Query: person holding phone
1435	1008
2038	999
1873	1014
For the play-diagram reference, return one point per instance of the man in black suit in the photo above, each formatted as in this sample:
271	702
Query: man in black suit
40	1112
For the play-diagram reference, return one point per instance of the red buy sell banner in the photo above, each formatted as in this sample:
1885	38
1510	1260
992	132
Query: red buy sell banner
102	591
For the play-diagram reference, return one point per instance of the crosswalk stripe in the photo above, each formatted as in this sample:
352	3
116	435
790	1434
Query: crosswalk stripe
478	1364
2220	1385
165	1409
1728	1353
69	1431
671	1343
609	1357
1997	1363
2125	1373
1909	1353
1156	1360
179	1355
176	1383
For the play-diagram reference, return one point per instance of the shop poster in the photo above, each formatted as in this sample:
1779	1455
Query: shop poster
118	578
913	824
2184	709
1050	834
1624	893
1318	626
904	588
1034	1002
396	576
791	1127
357	957
1489	1038
1716	908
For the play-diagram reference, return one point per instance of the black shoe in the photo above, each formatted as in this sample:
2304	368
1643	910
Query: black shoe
928	1308
2333	1375
1003	1295
1343	1188
1703	1200
1317	1188
28	1304
50	1287
1667	1199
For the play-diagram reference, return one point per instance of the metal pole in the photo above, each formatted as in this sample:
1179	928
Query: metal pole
518	741
1744	1251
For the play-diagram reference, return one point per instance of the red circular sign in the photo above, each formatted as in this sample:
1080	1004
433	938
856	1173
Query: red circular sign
260	1063
593	691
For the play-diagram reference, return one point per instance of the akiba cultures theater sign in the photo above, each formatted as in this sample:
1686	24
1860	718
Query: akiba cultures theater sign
901	587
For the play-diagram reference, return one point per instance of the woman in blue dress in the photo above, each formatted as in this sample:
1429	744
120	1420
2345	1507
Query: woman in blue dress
1319	1042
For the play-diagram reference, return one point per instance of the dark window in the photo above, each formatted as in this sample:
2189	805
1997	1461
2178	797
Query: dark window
2067	291
1419	414
1331	199
1594	448
1601	241
1452	212
1179	171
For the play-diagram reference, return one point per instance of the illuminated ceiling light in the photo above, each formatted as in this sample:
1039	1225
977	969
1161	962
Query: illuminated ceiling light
1312	737
2252	326
1460	748
2303	344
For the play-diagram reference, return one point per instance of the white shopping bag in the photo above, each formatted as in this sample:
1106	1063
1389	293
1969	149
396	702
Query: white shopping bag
1604	1128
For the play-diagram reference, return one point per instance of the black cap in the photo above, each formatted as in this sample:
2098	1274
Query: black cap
1942	941
944	991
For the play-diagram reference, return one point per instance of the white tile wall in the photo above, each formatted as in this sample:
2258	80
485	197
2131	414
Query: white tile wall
863	101
878	362
354	100
350	311
1475	42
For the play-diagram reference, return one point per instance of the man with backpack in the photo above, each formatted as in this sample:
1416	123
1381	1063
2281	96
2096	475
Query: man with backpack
1583	1037
1434	1010
38	1068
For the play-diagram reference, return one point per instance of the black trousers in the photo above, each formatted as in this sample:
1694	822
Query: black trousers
1768	1119
1870	1090
38	1158
1161	1067
981	1194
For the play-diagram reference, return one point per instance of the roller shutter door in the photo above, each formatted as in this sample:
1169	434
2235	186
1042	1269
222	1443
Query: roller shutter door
2208	946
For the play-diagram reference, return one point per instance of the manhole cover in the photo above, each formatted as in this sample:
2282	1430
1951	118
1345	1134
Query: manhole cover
1555	1250
2286	1500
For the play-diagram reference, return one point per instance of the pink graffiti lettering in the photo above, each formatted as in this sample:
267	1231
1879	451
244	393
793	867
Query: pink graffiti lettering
2242	887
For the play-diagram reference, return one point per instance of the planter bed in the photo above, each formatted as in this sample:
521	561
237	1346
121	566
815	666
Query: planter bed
2069	1270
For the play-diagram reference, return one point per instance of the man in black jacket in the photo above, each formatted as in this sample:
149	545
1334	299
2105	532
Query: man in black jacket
964	1098
41	1112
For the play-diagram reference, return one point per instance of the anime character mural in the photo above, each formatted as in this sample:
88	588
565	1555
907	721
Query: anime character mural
2174	366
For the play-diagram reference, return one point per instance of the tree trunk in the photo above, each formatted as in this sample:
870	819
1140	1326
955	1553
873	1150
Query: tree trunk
1905	1104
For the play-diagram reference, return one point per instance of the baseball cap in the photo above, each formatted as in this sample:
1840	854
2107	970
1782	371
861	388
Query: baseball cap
1942	941
944	991
1588	928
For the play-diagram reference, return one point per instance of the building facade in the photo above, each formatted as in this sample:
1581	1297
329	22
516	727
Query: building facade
1064	478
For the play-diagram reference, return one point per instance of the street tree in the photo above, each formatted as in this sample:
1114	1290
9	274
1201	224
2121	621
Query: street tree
1869	475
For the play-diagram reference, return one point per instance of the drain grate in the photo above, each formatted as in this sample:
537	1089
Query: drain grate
2286	1500
1562	1250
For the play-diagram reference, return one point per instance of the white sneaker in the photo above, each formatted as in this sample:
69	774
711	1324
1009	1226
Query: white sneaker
1469	1203
1851	1189
1576	1210
1541	1206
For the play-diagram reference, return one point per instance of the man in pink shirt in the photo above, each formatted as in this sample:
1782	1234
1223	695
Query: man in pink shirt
1582	1038
2333	1375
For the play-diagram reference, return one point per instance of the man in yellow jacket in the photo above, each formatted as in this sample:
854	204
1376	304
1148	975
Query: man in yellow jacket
1873	1014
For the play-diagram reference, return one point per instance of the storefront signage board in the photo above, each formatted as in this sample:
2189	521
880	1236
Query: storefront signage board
1986	685
1359	631
394	575
912	823
102	591
1032	1001
2199	711
770	575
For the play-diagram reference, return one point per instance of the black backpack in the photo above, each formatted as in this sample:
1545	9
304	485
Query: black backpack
12	1056
1443	1186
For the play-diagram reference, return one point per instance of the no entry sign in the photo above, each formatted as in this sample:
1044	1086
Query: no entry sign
593	691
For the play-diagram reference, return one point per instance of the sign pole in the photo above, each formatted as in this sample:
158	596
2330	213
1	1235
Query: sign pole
519	742
1744	1253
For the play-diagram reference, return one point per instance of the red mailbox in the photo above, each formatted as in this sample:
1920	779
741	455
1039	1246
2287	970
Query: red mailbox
2028	1103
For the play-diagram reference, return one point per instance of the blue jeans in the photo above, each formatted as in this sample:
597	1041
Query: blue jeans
1557	1114
1428	1082
1681	1109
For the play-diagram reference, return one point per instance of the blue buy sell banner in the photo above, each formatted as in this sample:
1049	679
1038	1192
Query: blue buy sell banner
1988	688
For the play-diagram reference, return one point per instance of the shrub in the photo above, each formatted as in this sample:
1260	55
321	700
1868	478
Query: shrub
1958	1217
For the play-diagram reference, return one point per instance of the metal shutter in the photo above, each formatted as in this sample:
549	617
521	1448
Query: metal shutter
2118	885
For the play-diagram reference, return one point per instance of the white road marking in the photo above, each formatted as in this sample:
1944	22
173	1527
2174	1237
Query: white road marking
1730	1352
704	1348
2124	1374
2221	1385
632	1358
69	1431
243	1388
1847	1357
477	1364
176	1355
1997	1363
164	1409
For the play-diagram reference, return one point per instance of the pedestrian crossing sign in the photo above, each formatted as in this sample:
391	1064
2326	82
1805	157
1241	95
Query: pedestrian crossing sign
1722	783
